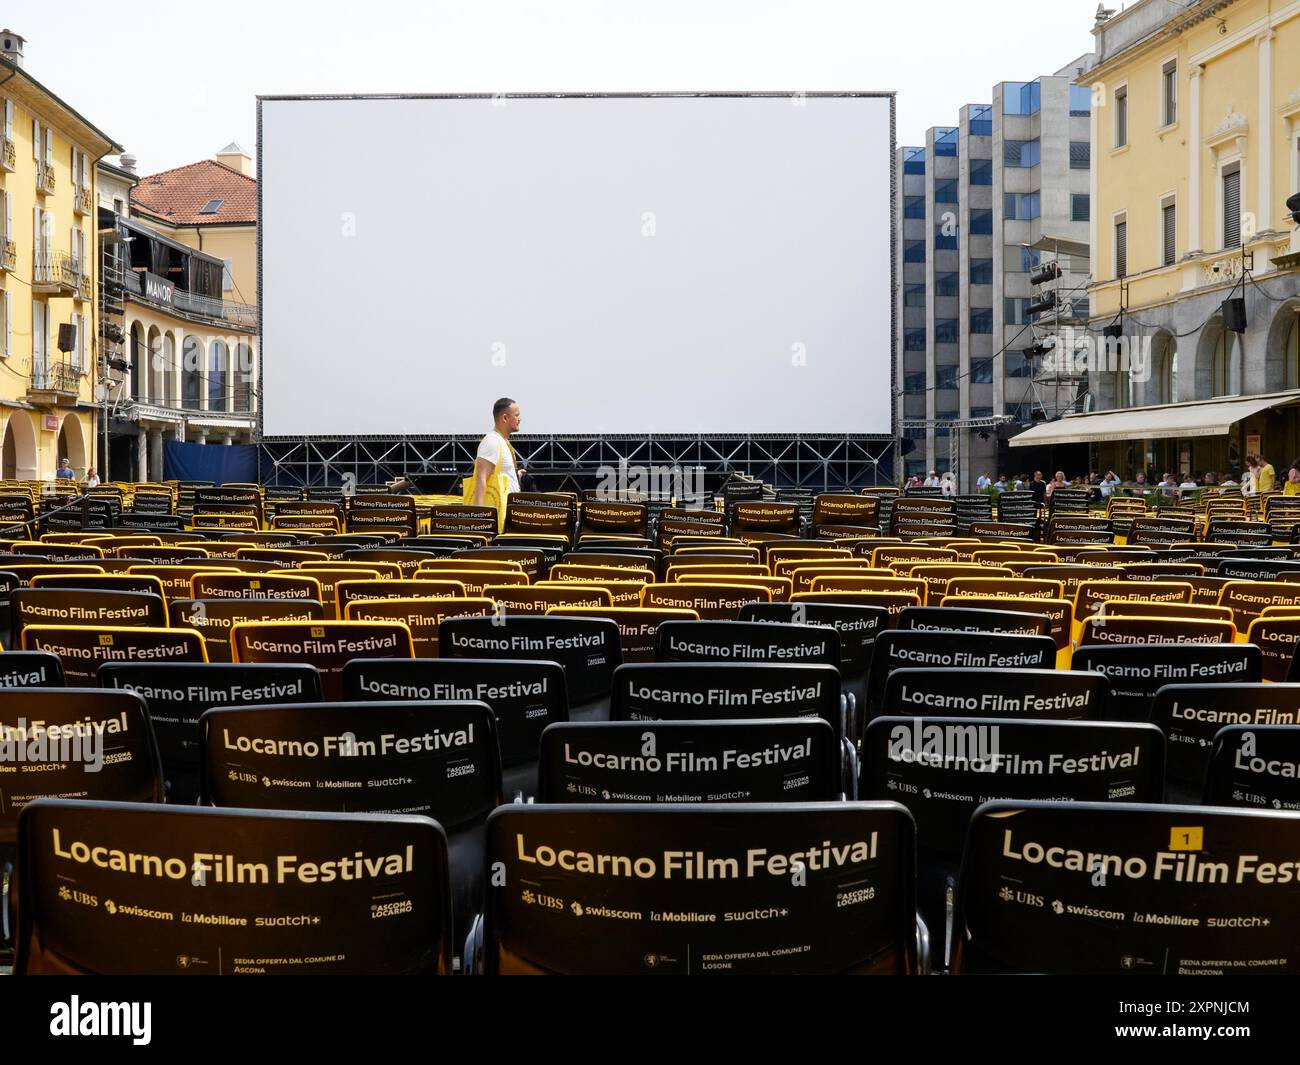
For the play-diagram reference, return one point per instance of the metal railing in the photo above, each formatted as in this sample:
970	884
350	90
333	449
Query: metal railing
44	177
82	200
8	153
8	254
243	315
57	268
59	376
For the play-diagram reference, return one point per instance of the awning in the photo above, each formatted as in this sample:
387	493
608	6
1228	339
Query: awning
1210	418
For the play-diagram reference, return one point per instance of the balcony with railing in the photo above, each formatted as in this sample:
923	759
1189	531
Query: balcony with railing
54	380
83	203
241	316
45	178
56	273
8	254
8	154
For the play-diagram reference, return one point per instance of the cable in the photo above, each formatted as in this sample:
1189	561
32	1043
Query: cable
1268	296
1197	328
1002	350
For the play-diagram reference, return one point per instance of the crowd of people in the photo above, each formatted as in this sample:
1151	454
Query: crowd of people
1258	477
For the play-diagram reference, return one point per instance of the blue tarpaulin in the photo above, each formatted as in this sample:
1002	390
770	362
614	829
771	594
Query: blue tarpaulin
218	463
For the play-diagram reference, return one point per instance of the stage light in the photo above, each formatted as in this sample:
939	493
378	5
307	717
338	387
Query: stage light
1046	302
1048	272
1293	205
1113	331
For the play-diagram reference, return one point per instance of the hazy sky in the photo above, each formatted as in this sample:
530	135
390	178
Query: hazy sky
176	82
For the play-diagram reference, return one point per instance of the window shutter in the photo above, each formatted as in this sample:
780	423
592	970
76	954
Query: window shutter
1232	208
36	139
49	146
1170	228
9	324
1121	249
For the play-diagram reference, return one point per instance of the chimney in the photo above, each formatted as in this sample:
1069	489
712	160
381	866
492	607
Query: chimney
236	158
127	161
11	47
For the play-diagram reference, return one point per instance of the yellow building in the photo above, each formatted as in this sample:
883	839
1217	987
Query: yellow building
1195	152
48	157
179	251
210	205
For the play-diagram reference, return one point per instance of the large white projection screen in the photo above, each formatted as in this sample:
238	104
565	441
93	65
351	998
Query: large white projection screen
629	265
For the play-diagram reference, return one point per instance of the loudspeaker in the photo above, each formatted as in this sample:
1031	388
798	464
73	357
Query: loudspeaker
1234	315
67	337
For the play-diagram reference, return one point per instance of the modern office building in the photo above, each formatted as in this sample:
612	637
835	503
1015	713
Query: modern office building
981	206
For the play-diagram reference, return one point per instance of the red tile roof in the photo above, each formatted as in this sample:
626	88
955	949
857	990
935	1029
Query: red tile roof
178	195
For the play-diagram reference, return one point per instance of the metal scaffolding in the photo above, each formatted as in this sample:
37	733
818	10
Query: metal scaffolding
437	464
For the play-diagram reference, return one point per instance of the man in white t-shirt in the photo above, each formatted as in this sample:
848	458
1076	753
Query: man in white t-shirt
494	450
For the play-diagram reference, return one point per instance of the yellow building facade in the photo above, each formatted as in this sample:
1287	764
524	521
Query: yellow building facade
1195	152
48	156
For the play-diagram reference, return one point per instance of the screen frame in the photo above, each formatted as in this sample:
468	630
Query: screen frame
889	95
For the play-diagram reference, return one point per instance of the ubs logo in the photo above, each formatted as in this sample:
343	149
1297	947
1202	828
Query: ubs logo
550	902
1007	894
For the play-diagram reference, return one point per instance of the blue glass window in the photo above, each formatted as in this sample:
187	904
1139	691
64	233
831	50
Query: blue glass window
914	340
1029	259
1021	98
1013	310
981	373
981	222
945	240
914	383
1080	207
1021	206
913	251
945	141
1016	365
945	377
946	330
913	295
913	160
945	192
981	319
1080	100
947	284
1080	155
981	120
1021	153
981	271
913	206
981	172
